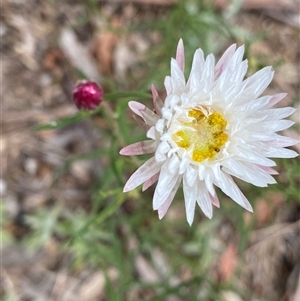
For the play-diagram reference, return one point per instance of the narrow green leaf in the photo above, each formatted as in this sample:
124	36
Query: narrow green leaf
62	122
118	95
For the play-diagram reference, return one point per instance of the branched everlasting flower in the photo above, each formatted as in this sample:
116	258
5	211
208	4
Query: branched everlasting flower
209	128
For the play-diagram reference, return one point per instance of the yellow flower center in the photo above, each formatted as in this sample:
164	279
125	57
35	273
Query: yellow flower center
204	134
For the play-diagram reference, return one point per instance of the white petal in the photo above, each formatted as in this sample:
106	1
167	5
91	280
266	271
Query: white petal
282	141
272	125
279	113
235	80
173	164
166	113
228	186
160	157
159	126
168	85
237	58
253	157
190	197
276	152
231	82
185	161
177	77
191	175
233	73
163	147
208	179
151	133
196	71
260	136
248	172
174	100
259	81
208	75
142	174
272	139
165	184
253	106
204	200
161	151
248	122
201	172
162	210
185	99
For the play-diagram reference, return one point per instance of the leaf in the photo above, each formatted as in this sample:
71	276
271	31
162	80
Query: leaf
117	95
62	122
85	114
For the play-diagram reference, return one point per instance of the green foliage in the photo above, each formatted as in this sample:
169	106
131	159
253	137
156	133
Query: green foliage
6	237
290	182
43	223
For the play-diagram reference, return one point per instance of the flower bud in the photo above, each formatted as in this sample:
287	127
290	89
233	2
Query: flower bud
87	95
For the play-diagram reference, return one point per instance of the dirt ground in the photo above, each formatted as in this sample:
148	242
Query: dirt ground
37	79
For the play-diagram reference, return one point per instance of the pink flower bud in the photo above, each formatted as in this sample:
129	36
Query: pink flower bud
87	95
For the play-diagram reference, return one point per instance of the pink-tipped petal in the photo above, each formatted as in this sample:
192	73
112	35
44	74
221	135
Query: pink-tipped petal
136	107
142	124
224	60
180	55
139	148
162	210
142	174
269	170
275	99
150	182
149	116
215	200
157	102
154	92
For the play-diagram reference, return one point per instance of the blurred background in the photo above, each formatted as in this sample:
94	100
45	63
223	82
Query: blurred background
68	231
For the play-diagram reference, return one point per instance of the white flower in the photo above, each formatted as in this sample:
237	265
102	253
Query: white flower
210	128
